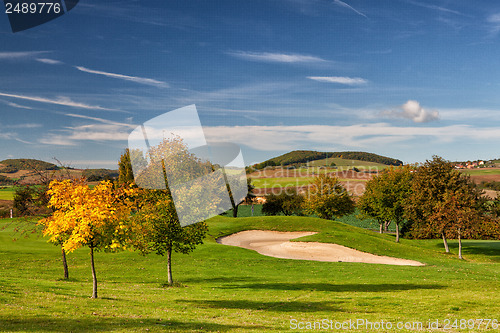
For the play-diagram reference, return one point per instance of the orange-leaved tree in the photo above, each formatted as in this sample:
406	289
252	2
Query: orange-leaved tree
83	216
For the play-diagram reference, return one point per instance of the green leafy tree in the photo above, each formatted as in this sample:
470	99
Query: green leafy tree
288	202
327	198
432	183
385	196
24	199
157	225
159	230
457	217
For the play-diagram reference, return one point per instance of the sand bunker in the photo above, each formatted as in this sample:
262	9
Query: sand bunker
277	244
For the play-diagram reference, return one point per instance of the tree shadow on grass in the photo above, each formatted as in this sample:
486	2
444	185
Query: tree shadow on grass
280	306
384	287
223	279
489	249
45	324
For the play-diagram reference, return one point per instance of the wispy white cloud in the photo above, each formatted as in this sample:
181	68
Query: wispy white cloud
343	4
85	164
20	55
49	61
276	57
339	79
414	111
12	136
28	125
72	136
434	7
494	23
15	105
62	100
136	79
359	136
101	120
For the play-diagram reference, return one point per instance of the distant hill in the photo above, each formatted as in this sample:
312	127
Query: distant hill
27	171
14	165
304	156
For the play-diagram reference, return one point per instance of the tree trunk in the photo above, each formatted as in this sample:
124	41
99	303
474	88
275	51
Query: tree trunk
386	226
459	245
65	264
381	228
397	232
235	211
169	266
446	248
94	277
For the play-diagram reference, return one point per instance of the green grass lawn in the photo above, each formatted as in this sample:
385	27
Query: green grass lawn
229	289
345	164
290	181
7	193
481	171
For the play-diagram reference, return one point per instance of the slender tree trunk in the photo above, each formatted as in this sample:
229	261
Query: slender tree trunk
397	232
169	266
446	248
386	226
94	277
235	211
381	228
459	245
65	263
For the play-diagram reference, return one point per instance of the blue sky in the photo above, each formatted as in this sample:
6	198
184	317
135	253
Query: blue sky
402	78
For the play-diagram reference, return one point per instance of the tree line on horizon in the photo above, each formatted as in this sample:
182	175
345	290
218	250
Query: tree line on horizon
303	156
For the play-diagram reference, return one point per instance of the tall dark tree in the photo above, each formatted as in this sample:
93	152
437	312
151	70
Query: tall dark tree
126	175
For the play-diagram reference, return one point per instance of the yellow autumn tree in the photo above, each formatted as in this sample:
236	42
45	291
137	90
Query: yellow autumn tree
93	217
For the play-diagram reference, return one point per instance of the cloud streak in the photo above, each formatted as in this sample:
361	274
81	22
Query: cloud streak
343	4
20	55
136	79
49	61
101	120
352	81
276	57
72	136
62	100
434	7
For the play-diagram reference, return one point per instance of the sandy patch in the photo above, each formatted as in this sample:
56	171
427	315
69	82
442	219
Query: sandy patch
277	244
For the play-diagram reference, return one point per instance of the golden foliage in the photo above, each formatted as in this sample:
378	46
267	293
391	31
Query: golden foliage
83	216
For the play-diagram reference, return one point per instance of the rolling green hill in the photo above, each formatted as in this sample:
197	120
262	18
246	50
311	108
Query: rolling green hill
303	156
14	165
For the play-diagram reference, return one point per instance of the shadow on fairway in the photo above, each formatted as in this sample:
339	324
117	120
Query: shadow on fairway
491	249
280	306
219	279
99	324
385	287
